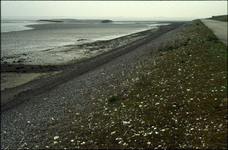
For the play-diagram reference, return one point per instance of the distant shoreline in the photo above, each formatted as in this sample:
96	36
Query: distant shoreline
73	20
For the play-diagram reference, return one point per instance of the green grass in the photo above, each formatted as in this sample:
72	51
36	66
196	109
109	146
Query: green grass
220	18
179	100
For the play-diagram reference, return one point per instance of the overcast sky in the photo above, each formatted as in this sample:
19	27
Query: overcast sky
109	9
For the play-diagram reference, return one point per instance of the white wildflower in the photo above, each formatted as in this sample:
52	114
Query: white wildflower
153	127
157	103
130	126
113	132
125	144
55	142
126	122
135	135
148	143
56	137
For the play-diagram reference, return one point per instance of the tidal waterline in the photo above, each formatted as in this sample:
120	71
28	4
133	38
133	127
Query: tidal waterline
38	37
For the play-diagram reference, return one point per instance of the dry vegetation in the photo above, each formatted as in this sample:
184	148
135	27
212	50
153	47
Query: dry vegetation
176	98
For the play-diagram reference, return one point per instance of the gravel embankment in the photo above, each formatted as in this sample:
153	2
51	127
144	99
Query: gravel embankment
43	103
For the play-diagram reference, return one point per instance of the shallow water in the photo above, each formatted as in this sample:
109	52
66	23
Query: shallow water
18	39
15	25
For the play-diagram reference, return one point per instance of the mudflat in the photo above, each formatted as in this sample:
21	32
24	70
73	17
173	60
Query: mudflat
20	71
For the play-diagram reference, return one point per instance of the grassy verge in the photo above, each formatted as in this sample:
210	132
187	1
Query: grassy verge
220	18
177	98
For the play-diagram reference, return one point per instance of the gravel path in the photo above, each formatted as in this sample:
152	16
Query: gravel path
218	27
53	98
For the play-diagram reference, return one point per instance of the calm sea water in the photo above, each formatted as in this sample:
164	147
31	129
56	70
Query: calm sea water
21	37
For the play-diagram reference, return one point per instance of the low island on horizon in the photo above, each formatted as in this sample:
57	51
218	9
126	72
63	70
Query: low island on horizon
74	20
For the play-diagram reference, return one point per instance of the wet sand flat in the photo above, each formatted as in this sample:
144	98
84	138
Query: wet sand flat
16	75
11	80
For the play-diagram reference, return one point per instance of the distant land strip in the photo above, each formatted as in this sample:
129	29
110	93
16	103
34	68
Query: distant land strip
51	20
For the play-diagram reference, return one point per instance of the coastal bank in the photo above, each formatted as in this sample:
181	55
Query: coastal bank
170	92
